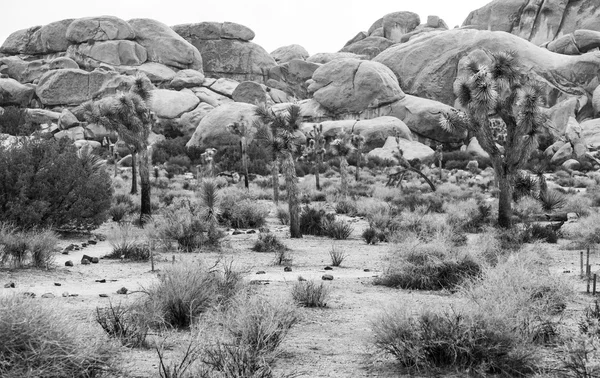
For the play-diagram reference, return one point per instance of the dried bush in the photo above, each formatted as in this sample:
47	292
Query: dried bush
268	242
310	293
35	247
123	324
337	256
338	229
428	266
186	291
39	341
126	243
313	221
283	214
453	341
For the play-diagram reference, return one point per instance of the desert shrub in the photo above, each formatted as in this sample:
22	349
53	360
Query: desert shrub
384	225
14	121
45	183
525	185
182	162
425	225
552	200
313	221
371	236
412	201
185	291
310	293
346	206
239	210
229	158
41	341
468	216
282	257
587	231
268	242
283	214
337	229
460	160
35	247
578	204
429	266
127	244
168	148
190	229
453	341
368	206
123	324
522	290
337	256
118	212
539	232
123	199
527	207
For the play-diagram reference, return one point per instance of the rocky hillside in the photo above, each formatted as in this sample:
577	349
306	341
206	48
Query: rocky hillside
396	77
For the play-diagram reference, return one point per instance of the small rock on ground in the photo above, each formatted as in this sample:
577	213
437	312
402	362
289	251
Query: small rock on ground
327	277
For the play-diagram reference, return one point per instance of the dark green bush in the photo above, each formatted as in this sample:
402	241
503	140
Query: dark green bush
268	242
312	221
460	159
14	121
338	229
45	183
242	213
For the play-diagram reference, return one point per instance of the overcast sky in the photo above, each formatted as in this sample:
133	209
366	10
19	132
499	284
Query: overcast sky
318	25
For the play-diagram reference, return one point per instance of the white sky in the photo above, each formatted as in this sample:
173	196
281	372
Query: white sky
318	25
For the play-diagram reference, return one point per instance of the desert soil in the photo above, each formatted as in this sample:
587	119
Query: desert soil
334	341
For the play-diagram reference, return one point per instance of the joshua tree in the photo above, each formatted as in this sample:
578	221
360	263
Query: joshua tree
438	157
278	131
342	147
315	150
358	142
129	115
501	93
242	129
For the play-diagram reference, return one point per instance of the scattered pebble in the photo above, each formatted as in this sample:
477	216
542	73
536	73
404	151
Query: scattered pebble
85	262
92	242
122	290
327	277
69	263
259	282
103	295
367	270
73	295
86	257
84	245
10	285
48	295
95	260
65	252
287	269
237	232
57	284
300	278
261	272
328	268
251	232
65	294
101	281
29	294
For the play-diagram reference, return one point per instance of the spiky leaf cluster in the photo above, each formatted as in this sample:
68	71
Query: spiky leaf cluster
278	129
128	114
498	91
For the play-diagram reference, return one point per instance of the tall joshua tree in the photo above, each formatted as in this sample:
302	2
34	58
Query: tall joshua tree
358	142
499	91
342	147
278	131
242	130
316	150
129	115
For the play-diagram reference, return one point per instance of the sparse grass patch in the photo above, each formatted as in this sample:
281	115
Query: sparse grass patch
35	247
126	244
338	229
123	324
310	293
337	256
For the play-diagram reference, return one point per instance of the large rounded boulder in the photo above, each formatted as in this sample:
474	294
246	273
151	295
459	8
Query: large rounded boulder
352	86
212	130
38	40
103	28
287	53
165	46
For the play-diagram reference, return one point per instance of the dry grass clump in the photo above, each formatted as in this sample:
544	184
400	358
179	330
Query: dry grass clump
268	242
38	341
468	216
124	324
186	291
34	247
310	293
428	266
126	243
587	231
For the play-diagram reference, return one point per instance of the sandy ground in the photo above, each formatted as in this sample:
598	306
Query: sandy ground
331	342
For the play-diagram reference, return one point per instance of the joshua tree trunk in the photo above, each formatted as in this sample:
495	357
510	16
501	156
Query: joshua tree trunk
358	161
275	180
289	171
146	206
440	169
317	168
343	176
245	161
505	183
134	172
